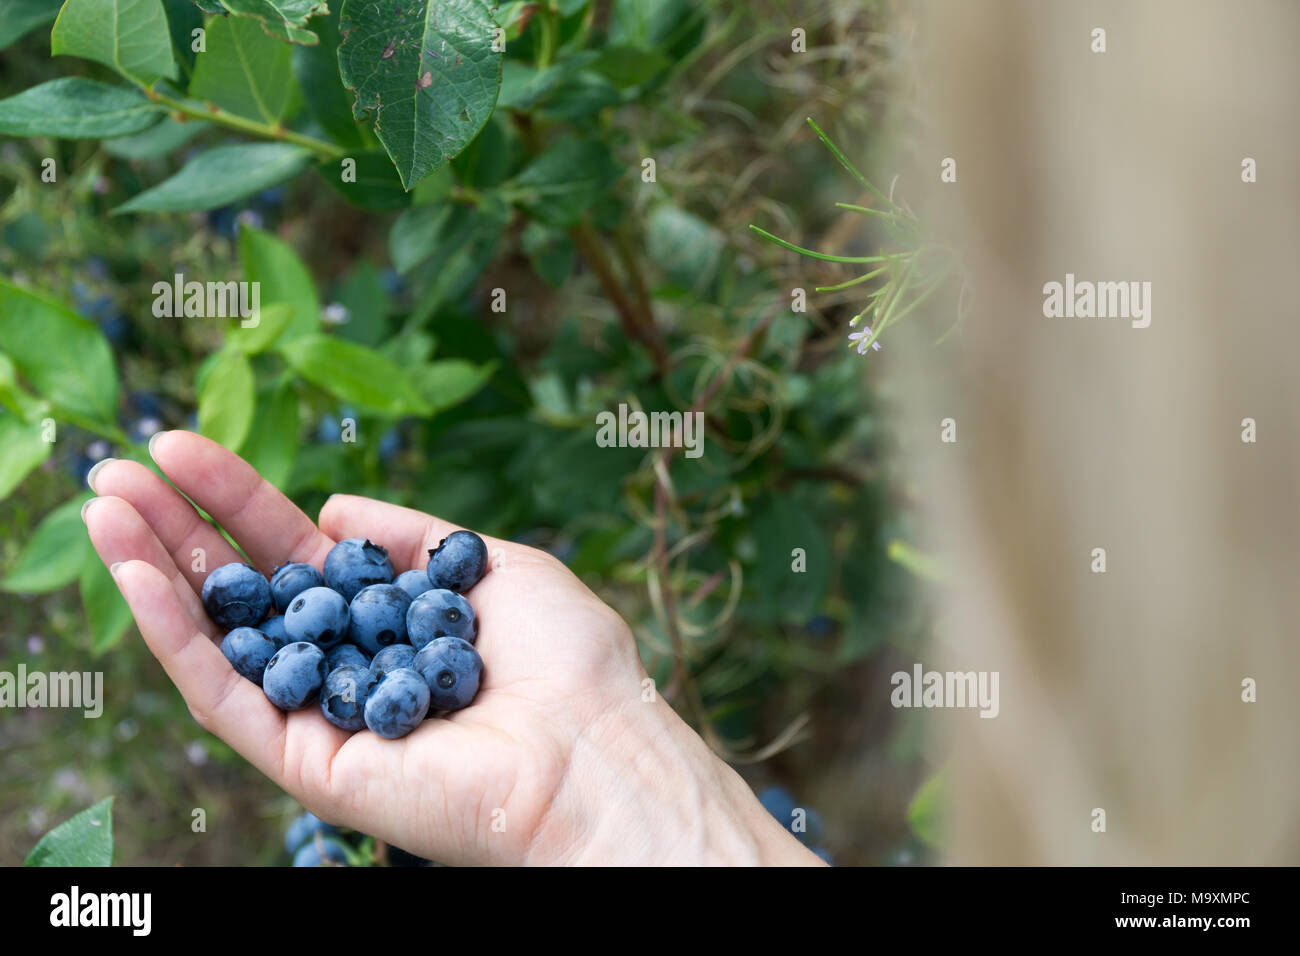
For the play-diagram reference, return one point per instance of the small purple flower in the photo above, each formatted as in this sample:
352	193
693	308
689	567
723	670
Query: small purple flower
35	644
861	338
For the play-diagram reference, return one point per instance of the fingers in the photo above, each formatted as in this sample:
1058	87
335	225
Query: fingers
267	525
175	523
221	701
119	533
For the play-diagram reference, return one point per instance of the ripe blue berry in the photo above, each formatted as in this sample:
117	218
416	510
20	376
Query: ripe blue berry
349	655
440	613
290	580
390	659
377	617
273	627
236	595
294	676
249	651
319	616
459	562
398	704
343	696
414	582
452	669
355	563
303	828
321	851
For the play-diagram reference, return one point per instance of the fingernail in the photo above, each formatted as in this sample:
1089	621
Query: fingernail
153	441
112	568
95	469
86	507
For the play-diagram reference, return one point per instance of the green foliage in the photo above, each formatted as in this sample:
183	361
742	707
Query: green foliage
85	840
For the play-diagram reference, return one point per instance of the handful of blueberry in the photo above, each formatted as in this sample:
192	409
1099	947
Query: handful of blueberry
375	652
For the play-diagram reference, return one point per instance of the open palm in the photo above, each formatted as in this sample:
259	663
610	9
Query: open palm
480	786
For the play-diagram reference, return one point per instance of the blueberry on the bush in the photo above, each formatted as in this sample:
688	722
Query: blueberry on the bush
355	563
273	627
347	655
303	828
398	703
414	582
317	615
440	613
343	696
459	562
236	595
377	617
390	659
294	676
290	580
321	851
452	669
249	651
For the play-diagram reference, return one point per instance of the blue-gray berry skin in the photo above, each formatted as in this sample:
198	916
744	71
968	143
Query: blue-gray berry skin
378	617
398	703
414	582
458	563
303	828
440	613
236	595
452	669
249	651
294	676
321	851
273	627
290	580
341	655
390	659
319	616
343	696
355	563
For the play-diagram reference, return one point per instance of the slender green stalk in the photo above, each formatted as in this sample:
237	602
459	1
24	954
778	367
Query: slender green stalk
215	114
821	255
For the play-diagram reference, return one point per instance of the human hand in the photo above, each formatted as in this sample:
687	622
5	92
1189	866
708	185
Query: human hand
559	759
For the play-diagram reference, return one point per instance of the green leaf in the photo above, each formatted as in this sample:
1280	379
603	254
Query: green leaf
244	71
367	301
784	593
272	320
85	840
107	612
158	140
18	17
55	553
221	175
65	358
183	18
550	251
131	36
925	814
523	86
426	70
282	277
448	382
73	107
354	374
377	185
16	398
317	69
559	185
24	449
283	19
226	400
271	445
630	66
685	247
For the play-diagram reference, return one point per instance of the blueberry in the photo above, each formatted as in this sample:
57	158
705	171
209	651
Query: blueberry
319	616
824	853
414	582
440	613
349	655
248	651
303	828
378	617
452	669
273	627
390	659
458	562
343	695
321	851
236	595
290	580
398	703
354	563
294	675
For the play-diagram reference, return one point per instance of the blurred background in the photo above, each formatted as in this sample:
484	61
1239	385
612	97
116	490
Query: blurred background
775	667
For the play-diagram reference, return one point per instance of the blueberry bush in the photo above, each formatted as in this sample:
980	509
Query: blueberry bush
474	228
